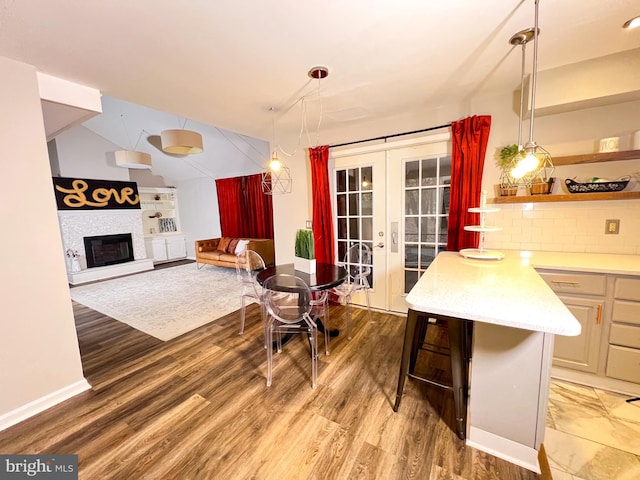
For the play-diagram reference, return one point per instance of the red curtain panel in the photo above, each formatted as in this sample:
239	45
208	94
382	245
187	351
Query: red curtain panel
245	211
230	206
469	138
259	208
321	197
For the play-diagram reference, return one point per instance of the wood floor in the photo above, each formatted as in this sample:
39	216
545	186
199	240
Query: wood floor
197	407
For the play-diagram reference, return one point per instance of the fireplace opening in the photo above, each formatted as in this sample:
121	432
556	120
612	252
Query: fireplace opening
108	249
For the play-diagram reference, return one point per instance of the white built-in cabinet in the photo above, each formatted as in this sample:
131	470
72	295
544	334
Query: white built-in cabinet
163	238
607	352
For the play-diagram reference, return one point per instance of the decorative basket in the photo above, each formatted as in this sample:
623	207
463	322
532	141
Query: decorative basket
615	186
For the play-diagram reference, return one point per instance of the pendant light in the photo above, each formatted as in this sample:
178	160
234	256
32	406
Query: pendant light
181	141
533	164
132	158
521	38
276	178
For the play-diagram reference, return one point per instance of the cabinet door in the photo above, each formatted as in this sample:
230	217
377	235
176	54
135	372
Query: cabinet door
156	249
176	247
581	352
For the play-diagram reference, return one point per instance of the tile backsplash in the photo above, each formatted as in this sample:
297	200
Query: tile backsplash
566	227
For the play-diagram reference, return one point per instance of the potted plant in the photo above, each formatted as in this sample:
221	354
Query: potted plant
505	158
305	257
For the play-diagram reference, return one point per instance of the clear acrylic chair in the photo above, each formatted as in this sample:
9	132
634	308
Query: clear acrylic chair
248	265
320	309
288	303
357	261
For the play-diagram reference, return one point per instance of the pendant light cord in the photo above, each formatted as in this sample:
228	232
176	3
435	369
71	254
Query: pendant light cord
524	45
534	72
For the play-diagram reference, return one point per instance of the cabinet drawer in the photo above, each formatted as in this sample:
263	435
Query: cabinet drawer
627	312
627	288
625	335
582	283
623	363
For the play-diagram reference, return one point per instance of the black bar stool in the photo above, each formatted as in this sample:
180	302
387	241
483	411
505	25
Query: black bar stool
459	350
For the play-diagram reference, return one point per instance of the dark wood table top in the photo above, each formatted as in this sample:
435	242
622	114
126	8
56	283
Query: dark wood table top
327	275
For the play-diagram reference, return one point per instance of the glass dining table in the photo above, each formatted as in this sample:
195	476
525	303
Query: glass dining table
327	276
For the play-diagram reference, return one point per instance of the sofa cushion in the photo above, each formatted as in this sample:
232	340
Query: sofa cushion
242	246
210	255
223	244
227	257
231	248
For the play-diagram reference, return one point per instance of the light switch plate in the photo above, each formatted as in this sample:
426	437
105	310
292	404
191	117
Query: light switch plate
612	227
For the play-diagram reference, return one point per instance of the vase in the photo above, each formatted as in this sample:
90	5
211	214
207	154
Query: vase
75	265
304	265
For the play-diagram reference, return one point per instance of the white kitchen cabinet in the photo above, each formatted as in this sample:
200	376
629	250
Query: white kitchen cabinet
581	352
584	296
165	248
623	355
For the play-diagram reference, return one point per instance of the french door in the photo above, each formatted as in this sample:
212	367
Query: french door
394	198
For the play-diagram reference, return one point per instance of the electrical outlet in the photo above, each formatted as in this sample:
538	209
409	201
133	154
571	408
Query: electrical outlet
612	227
309	224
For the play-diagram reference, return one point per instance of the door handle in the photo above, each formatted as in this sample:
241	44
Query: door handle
379	245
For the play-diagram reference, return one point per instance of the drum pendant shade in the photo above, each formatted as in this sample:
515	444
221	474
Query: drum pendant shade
132	159
181	142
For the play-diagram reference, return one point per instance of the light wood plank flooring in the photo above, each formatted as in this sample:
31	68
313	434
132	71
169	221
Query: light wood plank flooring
197	407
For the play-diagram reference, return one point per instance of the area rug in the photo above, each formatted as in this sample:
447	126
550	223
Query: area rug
165	303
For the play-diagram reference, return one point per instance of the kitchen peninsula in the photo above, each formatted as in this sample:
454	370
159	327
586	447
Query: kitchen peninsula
515	315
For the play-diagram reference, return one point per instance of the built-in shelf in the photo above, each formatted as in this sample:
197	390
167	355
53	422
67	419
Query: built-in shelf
597	157
570	197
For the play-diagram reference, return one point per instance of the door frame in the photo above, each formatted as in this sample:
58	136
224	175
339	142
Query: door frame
390	258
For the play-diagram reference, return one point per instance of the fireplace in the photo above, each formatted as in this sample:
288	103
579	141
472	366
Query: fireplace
105	250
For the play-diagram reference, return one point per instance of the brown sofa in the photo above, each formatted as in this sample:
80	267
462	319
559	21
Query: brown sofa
221	251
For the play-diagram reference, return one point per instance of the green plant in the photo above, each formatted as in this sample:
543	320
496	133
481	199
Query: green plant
506	155
304	244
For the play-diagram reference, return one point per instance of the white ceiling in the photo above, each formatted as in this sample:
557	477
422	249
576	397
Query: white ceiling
227	62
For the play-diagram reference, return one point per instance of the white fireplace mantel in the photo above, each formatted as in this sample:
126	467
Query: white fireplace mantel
75	225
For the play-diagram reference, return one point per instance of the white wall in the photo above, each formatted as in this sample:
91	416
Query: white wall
198	210
39	354
83	154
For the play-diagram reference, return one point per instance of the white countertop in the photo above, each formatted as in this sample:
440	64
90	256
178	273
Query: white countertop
587	262
505	292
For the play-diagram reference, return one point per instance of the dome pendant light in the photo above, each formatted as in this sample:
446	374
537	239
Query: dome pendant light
533	164
181	142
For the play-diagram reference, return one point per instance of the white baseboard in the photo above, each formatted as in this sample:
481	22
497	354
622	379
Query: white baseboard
41	404
504	448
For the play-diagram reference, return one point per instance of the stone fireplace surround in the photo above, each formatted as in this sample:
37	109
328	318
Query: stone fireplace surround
75	225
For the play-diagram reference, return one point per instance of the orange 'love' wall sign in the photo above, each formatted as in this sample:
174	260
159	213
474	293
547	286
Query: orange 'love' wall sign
84	194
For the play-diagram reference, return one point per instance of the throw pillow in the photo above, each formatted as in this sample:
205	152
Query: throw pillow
242	246
232	246
223	244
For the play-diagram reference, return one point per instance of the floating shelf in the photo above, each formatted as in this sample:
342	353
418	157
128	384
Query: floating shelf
569	197
597	157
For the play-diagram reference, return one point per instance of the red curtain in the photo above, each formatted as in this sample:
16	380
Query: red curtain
230	206
321	197
469	145
245	211
259	208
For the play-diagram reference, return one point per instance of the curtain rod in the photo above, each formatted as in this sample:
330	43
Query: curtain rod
390	136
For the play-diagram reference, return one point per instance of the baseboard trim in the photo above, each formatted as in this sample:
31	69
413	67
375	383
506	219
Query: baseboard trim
43	403
504	448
